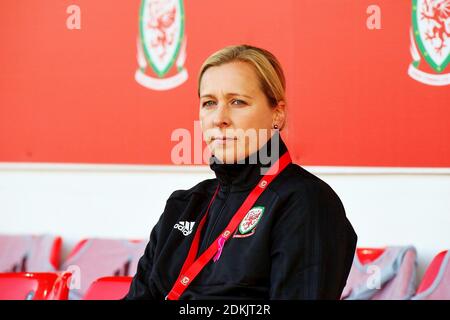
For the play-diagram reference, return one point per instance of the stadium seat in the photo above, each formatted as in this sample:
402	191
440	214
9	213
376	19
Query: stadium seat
108	288
435	284
382	274
369	255
34	286
29	253
96	258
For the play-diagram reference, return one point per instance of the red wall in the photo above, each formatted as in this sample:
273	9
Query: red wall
70	95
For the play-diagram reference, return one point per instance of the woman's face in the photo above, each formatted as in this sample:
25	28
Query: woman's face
235	114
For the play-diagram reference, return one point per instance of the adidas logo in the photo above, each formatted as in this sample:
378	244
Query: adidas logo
185	227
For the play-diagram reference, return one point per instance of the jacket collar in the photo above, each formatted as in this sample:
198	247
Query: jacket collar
245	174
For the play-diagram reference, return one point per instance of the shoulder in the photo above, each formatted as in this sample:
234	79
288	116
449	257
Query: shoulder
181	199
305	199
297	182
203	188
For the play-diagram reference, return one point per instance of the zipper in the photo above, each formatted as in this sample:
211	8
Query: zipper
208	233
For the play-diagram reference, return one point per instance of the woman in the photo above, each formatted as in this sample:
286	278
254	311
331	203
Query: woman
264	228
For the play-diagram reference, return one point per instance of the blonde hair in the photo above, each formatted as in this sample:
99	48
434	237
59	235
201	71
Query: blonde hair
268	69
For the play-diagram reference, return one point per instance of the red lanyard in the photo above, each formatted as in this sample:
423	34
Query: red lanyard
191	267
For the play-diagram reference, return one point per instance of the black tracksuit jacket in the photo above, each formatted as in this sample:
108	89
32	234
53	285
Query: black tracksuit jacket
302	247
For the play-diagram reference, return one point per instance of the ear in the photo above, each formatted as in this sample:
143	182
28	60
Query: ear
279	114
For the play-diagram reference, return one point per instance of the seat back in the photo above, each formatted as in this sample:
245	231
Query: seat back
382	273
435	284
29	253
97	258
108	288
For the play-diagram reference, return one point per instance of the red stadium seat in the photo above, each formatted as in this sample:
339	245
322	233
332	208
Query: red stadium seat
34	286
435	282
95	258
29	253
55	254
431	272
368	255
382	274
108	288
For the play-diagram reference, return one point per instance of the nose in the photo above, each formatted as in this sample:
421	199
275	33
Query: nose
221	116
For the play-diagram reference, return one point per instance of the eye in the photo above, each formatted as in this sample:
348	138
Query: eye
207	103
239	101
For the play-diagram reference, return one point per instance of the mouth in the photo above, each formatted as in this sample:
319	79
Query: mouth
221	140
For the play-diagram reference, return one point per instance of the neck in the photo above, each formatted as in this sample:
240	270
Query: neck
246	173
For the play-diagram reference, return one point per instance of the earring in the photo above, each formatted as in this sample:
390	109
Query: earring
275	126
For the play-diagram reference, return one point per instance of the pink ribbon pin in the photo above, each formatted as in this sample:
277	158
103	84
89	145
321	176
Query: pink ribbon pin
220	243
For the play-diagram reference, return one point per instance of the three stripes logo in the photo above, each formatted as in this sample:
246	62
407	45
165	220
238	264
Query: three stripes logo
185	226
